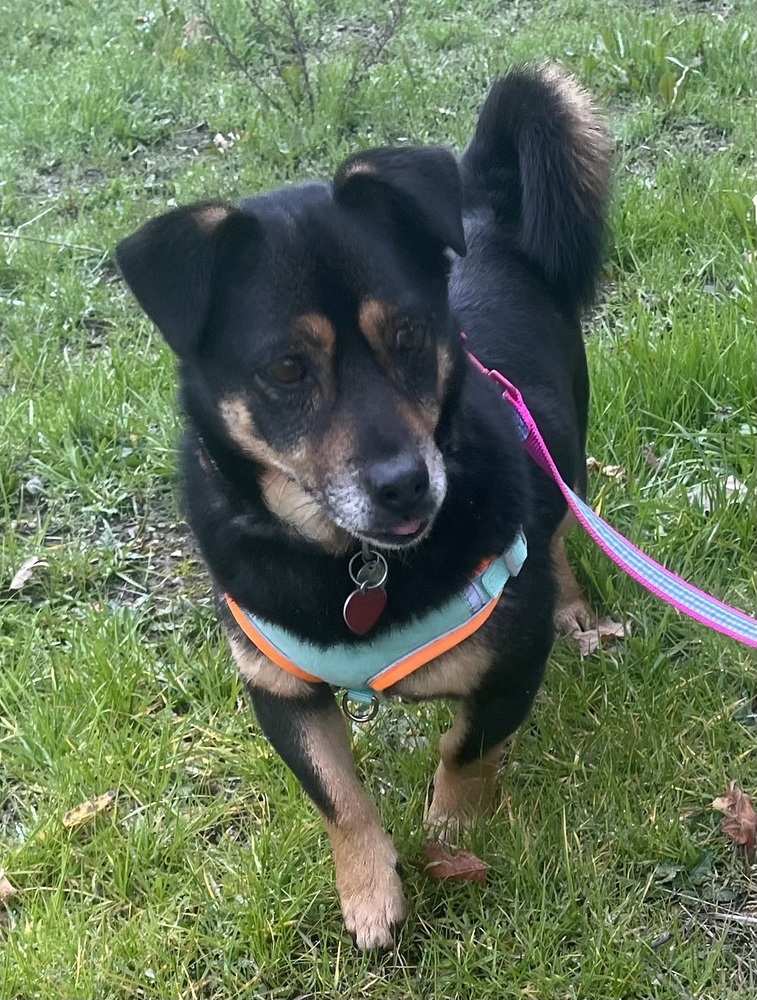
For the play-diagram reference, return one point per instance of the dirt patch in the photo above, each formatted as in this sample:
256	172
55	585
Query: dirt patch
160	564
688	136
145	557
155	162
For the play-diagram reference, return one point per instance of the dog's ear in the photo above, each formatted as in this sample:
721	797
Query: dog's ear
421	184
169	264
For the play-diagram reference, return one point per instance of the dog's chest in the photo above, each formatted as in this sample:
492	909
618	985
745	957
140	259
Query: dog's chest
454	673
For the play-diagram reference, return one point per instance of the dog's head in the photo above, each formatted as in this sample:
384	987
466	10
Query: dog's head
314	335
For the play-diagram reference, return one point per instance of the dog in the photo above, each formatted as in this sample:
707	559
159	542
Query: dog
339	442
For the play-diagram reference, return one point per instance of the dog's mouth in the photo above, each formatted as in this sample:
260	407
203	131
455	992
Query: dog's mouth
409	528
400	535
392	515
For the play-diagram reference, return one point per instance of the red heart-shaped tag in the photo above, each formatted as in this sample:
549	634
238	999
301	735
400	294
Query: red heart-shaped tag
363	608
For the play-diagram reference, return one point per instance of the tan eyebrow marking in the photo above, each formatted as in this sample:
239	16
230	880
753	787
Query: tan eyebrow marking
320	328
209	216
373	319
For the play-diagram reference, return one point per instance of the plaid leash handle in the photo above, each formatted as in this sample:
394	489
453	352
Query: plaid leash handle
650	574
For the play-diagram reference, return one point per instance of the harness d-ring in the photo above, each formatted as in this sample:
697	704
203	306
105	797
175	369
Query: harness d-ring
371	707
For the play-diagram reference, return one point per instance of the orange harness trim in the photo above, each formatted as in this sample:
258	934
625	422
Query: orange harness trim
393	674
267	648
377	664
437	648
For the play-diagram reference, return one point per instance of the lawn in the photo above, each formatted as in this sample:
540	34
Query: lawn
207	874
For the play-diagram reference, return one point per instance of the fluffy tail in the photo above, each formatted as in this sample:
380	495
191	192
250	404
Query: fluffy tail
540	157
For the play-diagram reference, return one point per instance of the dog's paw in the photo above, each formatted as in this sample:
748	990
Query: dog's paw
573	616
459	796
374	912
369	886
448	826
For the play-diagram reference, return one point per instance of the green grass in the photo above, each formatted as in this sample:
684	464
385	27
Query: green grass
210	878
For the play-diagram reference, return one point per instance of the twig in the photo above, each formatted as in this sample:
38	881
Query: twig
192	128
234	59
678	84
272	37
300	51
371	57
35	219
279	34
54	243
735	918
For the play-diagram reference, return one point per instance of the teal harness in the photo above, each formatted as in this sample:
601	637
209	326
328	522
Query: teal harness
376	664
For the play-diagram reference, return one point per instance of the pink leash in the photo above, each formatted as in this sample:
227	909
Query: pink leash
650	574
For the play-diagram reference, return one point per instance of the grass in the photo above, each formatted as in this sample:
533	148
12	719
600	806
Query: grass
210	876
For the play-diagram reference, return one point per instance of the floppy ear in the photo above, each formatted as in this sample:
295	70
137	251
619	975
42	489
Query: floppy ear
169	264
422	184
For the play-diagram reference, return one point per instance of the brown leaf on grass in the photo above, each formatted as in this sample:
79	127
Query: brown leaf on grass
611	471
740	820
445	867
86	810
6	889
614	472
649	456
25	571
195	30
602	633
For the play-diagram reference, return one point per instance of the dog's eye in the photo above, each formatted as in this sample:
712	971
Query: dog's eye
288	370
410	336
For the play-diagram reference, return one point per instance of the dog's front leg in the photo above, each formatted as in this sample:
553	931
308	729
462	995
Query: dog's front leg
572	613
462	787
310	734
471	752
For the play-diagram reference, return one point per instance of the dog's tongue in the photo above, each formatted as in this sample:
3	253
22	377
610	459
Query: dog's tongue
409	528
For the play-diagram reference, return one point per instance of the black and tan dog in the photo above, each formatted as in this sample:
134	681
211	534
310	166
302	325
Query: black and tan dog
329	403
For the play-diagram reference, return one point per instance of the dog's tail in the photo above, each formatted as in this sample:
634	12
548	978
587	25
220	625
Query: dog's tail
540	157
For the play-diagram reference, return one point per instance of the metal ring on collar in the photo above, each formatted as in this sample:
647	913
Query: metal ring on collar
363	577
370	709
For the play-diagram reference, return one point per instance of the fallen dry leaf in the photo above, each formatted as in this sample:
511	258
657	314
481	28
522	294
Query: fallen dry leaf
614	472
25	571
195	30
602	632
611	471
224	143
735	488
649	456
34	487
86	810
6	889
740	820
445	867
705	495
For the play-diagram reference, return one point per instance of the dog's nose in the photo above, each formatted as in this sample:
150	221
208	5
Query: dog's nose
399	484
